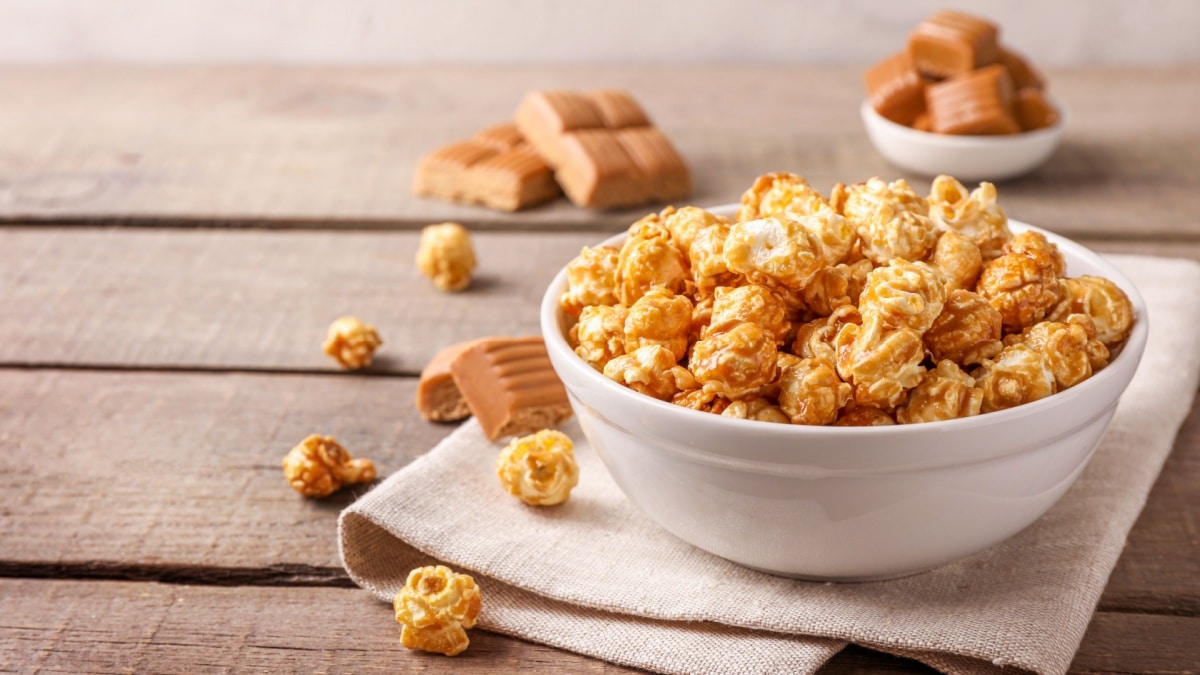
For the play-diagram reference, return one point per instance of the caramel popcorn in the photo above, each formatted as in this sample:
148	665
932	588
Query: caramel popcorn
591	279
351	342
863	309
319	466
539	469
435	608
651	370
445	256
975	215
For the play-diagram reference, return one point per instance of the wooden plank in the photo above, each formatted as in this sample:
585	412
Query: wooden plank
336	147
255	300
112	627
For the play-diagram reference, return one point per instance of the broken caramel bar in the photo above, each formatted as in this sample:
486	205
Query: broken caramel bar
510	386
438	397
496	168
978	104
896	89
952	43
604	151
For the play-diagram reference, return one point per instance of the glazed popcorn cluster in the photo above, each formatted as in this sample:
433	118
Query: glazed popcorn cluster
873	306
435	608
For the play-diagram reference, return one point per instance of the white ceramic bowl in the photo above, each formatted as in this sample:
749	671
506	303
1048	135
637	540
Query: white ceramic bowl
846	503
967	158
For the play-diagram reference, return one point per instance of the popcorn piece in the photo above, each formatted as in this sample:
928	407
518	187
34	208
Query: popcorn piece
882	364
659	317
816	339
706	256
649	259
780	192
757	408
836	286
944	393
600	334
1067	348
319	466
435	608
811	393
1018	375
774	251
753	303
1023	284
539	469
704	400
863	416
686	223
1100	299
904	295
736	362
892	221
445	255
967	331
959	259
351	342
591	279
651	370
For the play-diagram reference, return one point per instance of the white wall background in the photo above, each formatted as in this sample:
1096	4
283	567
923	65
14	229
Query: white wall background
1053	32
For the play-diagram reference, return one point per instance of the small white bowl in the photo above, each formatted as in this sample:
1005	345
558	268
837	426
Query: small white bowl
967	158
845	503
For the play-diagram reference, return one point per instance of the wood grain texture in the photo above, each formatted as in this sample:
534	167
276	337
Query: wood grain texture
336	147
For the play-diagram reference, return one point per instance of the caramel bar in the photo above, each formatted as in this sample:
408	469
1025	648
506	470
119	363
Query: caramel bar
1024	75
496	168
952	43
896	89
438	397
976	104
1033	111
510	386
604	150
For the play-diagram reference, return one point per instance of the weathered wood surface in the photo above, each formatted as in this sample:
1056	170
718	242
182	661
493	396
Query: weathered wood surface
336	147
255	300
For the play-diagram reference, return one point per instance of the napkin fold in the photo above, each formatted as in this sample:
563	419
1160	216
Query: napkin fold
597	577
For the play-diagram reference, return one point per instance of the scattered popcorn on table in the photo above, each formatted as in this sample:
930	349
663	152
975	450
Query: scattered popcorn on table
319	466
875	306
446	256
435	608
351	342
539	469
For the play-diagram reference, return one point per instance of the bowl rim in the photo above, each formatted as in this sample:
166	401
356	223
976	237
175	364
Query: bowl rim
1122	367
1046	134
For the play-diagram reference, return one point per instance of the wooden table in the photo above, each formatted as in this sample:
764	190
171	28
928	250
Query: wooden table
175	242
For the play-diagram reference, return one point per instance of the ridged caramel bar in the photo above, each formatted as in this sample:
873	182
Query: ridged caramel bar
510	386
438	398
1033	111
977	104
896	89
604	150
496	168
1024	75
952	43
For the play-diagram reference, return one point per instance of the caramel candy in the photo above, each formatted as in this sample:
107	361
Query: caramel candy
896	89
496	168
1033	111
604	151
438	397
952	43
976	104
510	386
1024	75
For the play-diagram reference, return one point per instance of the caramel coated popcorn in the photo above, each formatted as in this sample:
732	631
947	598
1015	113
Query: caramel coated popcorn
351	342
319	466
539	469
873	306
435	608
446	256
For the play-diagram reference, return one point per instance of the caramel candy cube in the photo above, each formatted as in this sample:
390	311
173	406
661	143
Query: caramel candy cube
603	148
1033	111
952	43
978	104
1024	75
896	89
510	386
496	168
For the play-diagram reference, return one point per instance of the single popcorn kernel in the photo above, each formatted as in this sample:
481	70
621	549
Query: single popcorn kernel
1023	284
446	256
892	221
753	303
351	342
735	362
810	392
774	251
975	215
944	393
599	336
539	469
591	279
756	408
904	294
959	259
1017	376
779	192
659	318
651	370
967	331
1102	300
649	259
319	466
435	608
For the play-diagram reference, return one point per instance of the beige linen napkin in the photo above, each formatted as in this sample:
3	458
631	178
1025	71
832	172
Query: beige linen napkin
597	577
